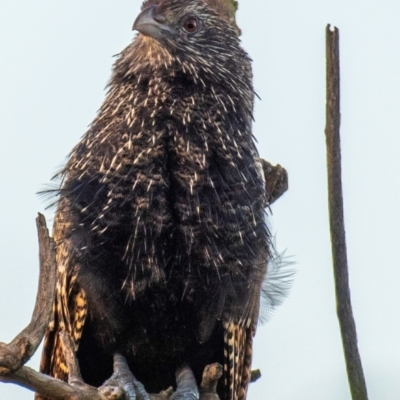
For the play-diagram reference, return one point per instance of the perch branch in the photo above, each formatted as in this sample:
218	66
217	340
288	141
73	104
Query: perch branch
208	387
276	181
23	346
343	301
74	373
255	375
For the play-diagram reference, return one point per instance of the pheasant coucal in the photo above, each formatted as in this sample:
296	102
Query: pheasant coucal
162	244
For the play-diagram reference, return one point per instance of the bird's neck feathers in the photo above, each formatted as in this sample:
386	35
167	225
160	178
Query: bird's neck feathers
209	70
143	54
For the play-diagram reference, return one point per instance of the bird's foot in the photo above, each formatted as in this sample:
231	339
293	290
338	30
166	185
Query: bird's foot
124	378
187	387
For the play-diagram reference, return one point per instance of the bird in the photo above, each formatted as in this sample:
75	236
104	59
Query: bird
160	225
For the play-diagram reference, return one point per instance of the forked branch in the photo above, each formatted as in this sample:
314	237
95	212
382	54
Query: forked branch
15	354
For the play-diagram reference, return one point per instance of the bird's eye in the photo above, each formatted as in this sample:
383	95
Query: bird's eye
191	24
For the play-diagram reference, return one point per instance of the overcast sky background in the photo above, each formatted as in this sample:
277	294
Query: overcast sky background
55	62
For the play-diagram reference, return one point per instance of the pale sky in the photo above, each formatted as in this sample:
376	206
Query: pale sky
55	62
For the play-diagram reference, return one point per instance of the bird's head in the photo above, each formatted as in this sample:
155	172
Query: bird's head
190	33
168	21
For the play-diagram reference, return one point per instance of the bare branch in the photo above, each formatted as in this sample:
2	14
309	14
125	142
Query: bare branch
208	387
74	373
276	180
24	345
255	375
50	387
343	301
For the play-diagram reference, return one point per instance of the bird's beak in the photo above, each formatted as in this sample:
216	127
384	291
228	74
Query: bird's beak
150	24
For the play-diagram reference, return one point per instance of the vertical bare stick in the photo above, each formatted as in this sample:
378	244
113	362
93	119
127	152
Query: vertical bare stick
343	302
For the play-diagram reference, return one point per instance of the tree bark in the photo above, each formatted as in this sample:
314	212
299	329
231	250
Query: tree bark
14	355
338	240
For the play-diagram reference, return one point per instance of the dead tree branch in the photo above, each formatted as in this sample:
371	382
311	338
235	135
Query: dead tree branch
343	301
21	349
276	181
208	387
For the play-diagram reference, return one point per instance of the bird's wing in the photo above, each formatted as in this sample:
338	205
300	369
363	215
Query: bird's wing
69	307
239	330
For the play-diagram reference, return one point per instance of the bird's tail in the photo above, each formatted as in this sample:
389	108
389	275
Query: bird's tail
238	347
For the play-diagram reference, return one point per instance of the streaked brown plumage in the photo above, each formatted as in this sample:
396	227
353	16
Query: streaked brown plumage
160	225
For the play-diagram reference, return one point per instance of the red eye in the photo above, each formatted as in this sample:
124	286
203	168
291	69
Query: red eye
191	24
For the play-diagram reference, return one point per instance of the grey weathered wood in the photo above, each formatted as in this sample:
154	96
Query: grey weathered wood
338	239
23	346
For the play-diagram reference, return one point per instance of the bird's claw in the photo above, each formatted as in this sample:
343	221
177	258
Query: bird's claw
187	387
132	388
